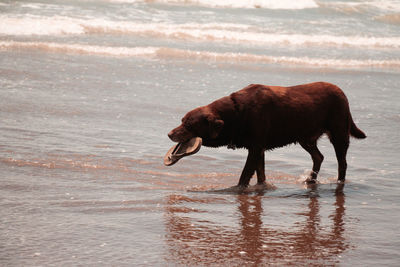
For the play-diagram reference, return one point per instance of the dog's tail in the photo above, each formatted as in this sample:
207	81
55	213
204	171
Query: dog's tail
355	131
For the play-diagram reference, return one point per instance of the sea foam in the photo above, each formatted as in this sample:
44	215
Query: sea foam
268	4
166	53
204	32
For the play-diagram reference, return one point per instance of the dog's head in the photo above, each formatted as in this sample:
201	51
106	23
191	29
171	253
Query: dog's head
200	122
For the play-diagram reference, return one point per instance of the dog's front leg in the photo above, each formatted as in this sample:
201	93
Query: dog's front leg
261	168
254	158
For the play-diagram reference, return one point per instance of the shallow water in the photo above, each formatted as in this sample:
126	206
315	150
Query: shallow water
90	89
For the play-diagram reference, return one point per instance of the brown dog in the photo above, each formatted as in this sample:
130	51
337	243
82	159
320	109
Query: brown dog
261	117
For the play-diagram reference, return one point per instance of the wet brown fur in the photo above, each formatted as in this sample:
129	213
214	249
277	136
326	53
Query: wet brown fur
261	117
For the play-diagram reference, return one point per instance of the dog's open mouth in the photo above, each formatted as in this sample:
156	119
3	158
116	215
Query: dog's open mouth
181	150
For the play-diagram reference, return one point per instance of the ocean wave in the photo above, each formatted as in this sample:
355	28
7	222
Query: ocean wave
208	32
339	6
267	4
61	25
362	6
390	18
207	56
79	48
38	25
380	8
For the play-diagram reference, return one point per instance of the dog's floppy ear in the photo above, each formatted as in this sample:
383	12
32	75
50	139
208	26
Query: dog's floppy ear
215	125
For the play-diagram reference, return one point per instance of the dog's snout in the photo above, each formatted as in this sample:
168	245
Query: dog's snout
179	134
170	134
174	135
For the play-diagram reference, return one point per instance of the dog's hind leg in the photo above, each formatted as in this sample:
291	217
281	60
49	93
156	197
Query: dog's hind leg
341	145
317	158
339	135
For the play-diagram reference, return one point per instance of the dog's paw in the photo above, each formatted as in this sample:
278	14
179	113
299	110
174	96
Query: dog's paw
235	189
341	182
310	181
263	186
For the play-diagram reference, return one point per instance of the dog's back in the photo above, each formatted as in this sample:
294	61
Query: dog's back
276	116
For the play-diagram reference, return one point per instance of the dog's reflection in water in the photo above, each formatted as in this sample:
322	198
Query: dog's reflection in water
203	237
